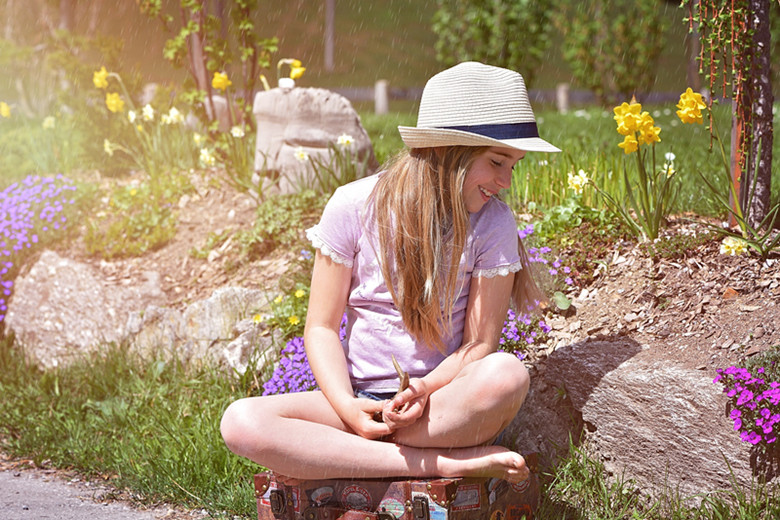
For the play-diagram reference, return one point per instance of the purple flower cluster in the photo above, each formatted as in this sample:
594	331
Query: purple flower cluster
755	403
293	373
519	331
28	211
555	268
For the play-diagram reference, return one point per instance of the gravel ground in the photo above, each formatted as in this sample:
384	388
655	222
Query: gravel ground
33	494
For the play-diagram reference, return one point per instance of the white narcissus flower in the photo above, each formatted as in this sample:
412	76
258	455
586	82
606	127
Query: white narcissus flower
237	132
148	112
301	155
345	140
577	181
207	158
668	169
174	116
733	246
48	122
131	116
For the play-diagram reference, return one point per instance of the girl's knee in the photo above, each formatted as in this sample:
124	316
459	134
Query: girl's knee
240	423
505	376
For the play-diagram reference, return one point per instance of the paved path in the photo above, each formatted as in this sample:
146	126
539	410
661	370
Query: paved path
36	495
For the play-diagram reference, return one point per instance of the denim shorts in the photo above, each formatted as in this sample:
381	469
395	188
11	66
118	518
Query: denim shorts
379	396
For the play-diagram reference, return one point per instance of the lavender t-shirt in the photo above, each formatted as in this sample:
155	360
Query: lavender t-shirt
375	330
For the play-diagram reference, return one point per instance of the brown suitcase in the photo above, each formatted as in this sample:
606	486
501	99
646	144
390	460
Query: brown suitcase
388	499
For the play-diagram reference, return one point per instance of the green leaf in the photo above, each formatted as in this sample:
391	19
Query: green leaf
561	301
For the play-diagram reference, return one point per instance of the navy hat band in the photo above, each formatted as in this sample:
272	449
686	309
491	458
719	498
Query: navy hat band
500	131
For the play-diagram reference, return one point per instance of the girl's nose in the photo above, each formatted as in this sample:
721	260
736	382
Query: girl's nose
504	180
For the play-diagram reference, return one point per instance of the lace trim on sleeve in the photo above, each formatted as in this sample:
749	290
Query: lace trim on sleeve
498	271
318	243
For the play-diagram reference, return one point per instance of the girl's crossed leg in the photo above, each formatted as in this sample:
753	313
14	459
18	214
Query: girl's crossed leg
301	436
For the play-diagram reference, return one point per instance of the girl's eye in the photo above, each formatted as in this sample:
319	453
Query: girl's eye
497	163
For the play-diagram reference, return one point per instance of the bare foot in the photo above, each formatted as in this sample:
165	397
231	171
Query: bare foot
484	461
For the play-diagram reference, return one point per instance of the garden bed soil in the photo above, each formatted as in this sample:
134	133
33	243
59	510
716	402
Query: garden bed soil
703	310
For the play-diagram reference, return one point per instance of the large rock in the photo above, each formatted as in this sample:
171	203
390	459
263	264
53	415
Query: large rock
660	424
308	119
61	308
219	328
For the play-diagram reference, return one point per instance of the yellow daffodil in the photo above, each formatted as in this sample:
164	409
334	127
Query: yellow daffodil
300	293
257	319
627	117
629	144
100	78
220	81
577	181
345	140
49	122
133	192
5	110
733	246
294	320
690	106
237	132
114	102
297	72
278	299
648	133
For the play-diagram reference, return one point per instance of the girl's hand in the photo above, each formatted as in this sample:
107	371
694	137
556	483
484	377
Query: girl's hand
360	417
407	407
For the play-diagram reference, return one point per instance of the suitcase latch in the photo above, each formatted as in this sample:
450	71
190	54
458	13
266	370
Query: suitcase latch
420	508
277	501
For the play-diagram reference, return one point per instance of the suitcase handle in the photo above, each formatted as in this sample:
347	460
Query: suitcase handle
278	503
420	509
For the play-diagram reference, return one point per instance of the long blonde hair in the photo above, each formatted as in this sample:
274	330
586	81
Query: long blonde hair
422	224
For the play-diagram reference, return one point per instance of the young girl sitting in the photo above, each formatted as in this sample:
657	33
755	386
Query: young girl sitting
425	259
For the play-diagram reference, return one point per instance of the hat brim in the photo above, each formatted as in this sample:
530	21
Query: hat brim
415	137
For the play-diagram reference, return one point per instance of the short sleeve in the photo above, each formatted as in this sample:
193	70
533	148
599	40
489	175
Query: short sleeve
337	233
495	242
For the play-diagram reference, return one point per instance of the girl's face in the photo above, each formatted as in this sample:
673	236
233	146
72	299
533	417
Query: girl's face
490	173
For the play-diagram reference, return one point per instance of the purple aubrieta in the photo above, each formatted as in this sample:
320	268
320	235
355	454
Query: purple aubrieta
29	208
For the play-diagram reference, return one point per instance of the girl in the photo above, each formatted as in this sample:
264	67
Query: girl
425	259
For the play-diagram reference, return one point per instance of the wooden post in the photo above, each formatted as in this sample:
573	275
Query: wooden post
381	103
330	17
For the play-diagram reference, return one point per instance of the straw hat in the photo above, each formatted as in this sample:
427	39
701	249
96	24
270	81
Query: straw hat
473	104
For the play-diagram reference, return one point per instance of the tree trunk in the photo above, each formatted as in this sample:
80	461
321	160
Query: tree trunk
67	8
758	170
694	48
8	33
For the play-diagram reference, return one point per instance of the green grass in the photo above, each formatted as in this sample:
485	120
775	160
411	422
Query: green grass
579	488
152	428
